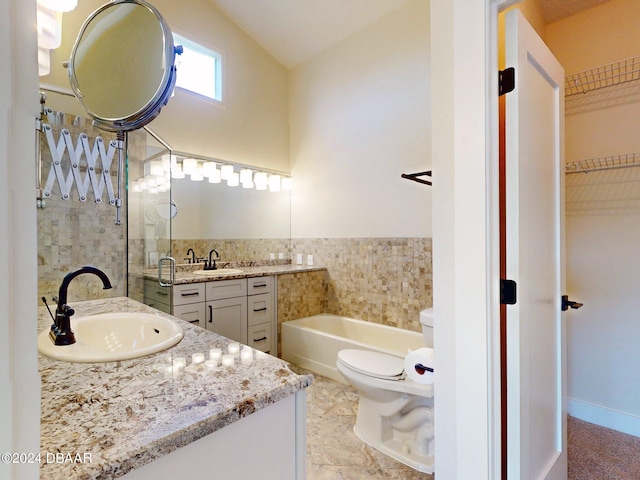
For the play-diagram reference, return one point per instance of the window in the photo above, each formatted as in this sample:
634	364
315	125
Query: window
198	69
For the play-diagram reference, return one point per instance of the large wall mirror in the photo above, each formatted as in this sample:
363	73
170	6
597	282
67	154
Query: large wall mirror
243	224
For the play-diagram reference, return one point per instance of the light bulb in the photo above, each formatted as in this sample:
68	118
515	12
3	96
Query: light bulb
49	28
176	172
234	180
44	61
189	166
274	183
261	180
208	169
226	171
166	163
59	5
215	176
246	175
156	168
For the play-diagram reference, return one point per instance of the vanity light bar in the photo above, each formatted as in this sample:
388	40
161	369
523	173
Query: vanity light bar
159	170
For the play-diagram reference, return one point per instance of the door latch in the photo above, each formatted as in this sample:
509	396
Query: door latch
567	304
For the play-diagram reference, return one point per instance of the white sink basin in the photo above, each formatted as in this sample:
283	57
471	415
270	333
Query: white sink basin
219	272
109	337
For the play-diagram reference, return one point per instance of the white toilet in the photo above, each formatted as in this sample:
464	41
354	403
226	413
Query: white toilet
395	414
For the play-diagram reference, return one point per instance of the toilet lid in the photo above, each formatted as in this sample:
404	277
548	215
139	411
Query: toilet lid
373	364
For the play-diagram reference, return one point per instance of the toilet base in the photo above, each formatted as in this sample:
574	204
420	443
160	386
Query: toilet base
406	436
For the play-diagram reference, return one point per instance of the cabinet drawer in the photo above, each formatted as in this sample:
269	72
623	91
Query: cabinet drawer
257	285
226	289
163	307
260	337
155	293
193	313
260	308
188	293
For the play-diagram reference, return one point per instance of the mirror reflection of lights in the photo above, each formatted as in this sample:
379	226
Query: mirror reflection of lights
159	171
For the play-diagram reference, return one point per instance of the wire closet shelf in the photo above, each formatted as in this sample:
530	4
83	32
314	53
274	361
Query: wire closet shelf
615	73
604	163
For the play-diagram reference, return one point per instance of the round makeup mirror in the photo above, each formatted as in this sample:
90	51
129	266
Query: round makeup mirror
122	65
162	210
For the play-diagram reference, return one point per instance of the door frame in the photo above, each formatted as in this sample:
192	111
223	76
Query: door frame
466	266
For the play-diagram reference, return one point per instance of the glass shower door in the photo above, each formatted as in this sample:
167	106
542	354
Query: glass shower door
151	210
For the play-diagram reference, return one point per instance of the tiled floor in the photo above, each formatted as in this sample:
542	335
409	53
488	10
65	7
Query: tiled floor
334	452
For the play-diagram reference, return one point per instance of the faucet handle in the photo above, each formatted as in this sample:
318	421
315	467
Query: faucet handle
67	310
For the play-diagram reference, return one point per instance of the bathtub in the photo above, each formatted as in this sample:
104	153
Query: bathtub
314	342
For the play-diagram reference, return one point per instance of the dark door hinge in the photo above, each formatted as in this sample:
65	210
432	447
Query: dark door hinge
506	80
508	292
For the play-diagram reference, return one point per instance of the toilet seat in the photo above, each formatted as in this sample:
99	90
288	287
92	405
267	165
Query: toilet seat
386	378
373	364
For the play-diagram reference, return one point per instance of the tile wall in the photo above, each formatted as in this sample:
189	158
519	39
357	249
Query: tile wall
382	280
234	250
72	233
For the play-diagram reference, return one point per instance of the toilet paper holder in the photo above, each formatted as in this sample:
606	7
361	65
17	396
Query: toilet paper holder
421	369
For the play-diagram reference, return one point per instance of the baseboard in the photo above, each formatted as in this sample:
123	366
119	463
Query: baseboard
605	417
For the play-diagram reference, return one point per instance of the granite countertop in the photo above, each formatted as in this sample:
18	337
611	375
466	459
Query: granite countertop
184	272
122	415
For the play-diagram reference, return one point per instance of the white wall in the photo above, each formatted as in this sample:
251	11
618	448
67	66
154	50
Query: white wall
250	126
360	117
603	221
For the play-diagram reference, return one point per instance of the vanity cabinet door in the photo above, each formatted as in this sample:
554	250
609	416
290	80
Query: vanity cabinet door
193	313
228	317
156	296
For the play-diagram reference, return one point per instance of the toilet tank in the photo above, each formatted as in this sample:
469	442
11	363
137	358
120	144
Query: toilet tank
426	319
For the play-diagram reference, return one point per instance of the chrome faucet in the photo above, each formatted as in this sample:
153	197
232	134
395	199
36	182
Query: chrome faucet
61	333
211	264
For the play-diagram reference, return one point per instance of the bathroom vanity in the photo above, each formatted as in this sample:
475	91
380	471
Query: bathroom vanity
144	418
241	306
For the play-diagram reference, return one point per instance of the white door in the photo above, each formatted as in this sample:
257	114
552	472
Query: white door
536	416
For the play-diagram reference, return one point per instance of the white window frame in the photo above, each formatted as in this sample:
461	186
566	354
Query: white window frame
188	44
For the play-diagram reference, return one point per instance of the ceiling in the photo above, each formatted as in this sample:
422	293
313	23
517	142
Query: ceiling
296	30
554	10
